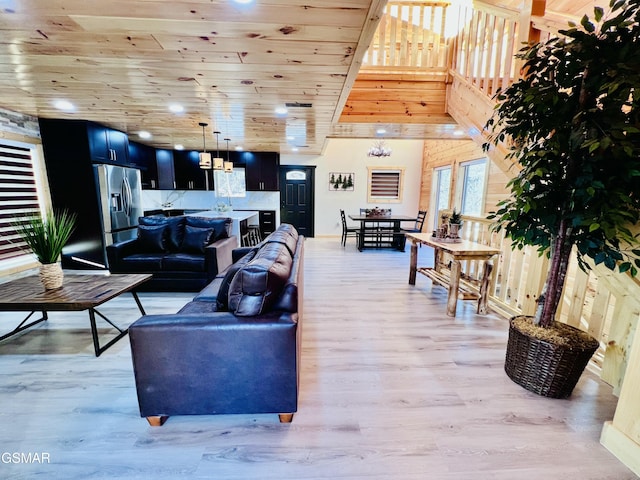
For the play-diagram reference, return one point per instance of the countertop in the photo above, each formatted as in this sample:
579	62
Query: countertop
235	215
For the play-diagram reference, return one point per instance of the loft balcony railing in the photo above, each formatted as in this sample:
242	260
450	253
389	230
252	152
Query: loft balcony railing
475	44
410	36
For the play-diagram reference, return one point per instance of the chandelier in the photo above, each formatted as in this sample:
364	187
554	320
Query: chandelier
379	149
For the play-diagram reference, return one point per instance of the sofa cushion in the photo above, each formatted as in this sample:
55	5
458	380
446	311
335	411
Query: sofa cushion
221	226
142	263
195	239
222	298
284	236
151	239
175	229
185	262
257	285
199	307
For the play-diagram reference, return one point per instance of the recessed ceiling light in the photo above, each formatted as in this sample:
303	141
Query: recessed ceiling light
380	131
175	108
64	105
178	146
243	1
144	134
281	111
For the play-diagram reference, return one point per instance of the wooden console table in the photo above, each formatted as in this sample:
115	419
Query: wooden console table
459	252
79	292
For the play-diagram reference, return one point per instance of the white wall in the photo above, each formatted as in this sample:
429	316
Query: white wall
350	155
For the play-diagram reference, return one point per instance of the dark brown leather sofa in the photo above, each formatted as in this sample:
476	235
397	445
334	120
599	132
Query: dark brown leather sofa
235	348
183	253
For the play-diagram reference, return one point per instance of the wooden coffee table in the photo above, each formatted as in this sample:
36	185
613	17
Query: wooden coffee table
79	292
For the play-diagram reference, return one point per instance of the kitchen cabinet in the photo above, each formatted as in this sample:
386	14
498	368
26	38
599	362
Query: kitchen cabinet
267	220
107	145
164	162
144	157
187	171
261	169
97	143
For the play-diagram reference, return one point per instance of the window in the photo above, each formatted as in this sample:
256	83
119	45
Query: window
18	195
385	184
472	176
441	190
230	184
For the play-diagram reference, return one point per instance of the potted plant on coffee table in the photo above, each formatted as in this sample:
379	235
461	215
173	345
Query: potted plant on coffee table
45	237
572	125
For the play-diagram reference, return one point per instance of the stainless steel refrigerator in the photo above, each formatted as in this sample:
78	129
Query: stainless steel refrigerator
108	202
119	190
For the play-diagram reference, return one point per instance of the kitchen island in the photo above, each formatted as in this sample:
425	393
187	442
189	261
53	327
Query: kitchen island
241	219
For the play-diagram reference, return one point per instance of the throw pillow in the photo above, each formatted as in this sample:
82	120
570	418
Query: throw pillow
223	292
195	239
221	226
175	229
151	239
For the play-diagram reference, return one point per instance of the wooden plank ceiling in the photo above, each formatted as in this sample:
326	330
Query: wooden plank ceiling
122	63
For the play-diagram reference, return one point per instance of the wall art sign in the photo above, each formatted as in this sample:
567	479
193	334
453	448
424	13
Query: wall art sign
341	181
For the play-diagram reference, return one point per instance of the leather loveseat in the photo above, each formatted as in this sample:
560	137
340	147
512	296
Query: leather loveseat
235	348
183	253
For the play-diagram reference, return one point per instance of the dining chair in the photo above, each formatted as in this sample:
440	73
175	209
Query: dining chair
346	230
417	227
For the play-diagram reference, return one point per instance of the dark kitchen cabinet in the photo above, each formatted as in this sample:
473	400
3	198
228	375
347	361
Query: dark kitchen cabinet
144	157
187	171
164	161
107	145
261	170
267	222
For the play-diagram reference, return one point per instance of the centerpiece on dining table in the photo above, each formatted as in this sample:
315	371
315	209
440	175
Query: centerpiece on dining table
378	212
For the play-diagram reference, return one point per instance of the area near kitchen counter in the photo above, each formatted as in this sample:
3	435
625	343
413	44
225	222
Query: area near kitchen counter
241	219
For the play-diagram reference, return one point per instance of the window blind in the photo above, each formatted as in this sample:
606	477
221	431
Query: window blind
18	196
385	184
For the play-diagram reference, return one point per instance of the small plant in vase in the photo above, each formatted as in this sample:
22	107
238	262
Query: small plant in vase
45	237
455	224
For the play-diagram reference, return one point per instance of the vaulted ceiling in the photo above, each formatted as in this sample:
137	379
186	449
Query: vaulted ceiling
123	63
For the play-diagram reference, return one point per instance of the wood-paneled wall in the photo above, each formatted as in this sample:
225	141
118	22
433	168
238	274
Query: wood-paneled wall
397	98
440	153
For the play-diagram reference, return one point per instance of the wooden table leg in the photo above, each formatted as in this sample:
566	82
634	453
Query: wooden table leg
454	285
413	262
483	299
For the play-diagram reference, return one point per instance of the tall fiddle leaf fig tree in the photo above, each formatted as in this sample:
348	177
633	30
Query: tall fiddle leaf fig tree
572	124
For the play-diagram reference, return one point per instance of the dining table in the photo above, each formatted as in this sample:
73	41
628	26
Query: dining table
381	231
449	274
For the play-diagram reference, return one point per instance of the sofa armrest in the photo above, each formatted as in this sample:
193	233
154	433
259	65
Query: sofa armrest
218	255
117	251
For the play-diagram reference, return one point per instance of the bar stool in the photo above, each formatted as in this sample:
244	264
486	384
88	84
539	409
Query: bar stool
252	237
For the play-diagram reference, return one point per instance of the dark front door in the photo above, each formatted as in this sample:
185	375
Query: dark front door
297	197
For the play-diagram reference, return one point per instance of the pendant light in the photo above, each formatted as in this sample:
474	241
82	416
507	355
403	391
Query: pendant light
228	165
218	162
204	157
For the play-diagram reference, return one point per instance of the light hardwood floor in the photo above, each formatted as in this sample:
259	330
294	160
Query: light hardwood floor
391	388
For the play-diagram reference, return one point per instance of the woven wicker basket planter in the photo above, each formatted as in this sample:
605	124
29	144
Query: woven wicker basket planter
544	368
